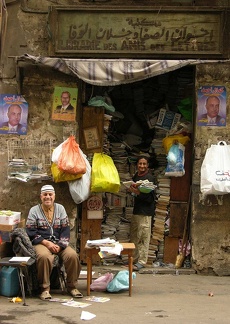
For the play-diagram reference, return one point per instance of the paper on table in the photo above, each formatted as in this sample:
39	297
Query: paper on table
19	259
100	242
116	249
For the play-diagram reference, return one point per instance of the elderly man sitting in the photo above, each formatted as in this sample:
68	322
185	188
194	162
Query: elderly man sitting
48	228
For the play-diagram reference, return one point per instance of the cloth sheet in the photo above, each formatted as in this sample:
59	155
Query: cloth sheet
111	72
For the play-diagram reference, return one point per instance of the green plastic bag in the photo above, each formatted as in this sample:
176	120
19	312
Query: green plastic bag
185	108
100	101
105	177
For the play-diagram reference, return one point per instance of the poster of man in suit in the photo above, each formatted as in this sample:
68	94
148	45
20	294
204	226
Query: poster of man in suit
211	106
64	103
13	114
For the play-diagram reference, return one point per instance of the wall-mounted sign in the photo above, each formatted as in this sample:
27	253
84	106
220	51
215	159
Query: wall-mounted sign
140	32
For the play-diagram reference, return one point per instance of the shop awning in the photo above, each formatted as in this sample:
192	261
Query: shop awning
111	72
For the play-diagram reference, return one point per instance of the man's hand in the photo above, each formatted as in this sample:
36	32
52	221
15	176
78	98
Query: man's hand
134	189
54	248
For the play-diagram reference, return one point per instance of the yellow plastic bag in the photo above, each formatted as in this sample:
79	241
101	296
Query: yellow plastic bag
105	177
170	140
61	176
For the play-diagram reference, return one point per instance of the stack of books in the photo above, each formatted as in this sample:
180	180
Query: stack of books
106	141
161	213
157	147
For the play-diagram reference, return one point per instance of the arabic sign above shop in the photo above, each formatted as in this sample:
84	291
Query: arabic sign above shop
139	32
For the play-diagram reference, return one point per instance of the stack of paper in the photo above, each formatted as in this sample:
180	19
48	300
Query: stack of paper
102	242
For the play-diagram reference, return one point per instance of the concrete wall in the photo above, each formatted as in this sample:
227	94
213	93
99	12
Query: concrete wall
38	86
210	216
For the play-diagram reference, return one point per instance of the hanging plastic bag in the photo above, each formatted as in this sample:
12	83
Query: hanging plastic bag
175	158
120	281
105	177
185	108
80	189
215	170
170	140
71	159
100	101
61	176
56	152
100	284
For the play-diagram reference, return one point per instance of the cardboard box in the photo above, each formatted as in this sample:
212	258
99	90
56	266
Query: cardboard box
152	119
167	119
9	220
5	230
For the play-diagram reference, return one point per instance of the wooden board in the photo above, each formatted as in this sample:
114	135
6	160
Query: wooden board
92	122
171	249
90	230
92	117
122	32
178	213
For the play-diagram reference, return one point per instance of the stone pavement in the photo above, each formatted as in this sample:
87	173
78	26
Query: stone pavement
175	298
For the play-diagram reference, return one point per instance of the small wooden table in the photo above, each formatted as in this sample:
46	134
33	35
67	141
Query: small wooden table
128	249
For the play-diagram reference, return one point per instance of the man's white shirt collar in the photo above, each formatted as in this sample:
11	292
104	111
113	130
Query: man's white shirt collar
12	128
211	120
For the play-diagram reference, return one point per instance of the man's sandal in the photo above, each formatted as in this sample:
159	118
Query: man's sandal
135	267
75	293
45	295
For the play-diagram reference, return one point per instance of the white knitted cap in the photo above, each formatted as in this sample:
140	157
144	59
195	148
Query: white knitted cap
47	188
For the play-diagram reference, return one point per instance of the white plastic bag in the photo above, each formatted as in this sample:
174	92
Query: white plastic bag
80	188
215	170
56	153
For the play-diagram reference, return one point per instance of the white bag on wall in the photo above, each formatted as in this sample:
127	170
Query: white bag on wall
80	188
215	170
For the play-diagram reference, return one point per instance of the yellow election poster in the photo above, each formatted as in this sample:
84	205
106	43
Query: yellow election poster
64	103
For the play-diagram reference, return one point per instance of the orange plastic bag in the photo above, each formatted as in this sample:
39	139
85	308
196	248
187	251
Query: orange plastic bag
71	159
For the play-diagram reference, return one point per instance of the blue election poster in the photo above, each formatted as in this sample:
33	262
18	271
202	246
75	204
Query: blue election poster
13	114
211	106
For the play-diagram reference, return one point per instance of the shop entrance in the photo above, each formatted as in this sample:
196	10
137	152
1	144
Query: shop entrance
133	130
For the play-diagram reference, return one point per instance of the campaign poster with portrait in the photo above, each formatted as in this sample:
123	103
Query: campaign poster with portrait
13	114
64	103
211	108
